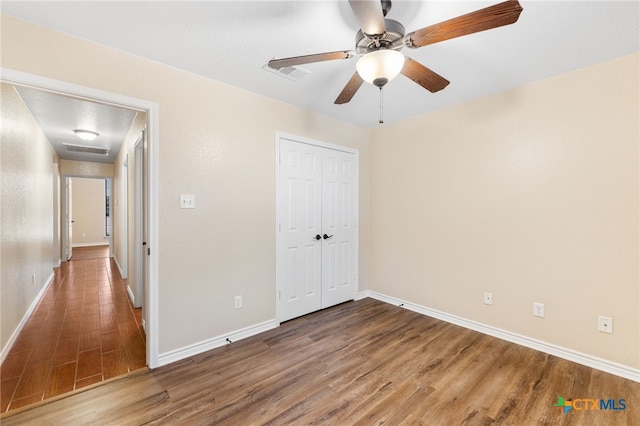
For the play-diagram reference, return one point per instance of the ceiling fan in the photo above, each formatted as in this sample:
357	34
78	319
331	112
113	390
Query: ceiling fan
380	40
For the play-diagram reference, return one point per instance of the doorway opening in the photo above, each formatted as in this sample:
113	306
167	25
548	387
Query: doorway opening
150	284
86	209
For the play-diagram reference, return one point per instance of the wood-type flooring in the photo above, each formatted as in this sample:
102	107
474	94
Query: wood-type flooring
91	252
83	331
363	362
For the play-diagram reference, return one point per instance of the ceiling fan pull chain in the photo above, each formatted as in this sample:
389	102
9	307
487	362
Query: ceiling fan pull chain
381	120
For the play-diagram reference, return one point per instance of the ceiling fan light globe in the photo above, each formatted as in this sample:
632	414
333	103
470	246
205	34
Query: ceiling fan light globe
380	66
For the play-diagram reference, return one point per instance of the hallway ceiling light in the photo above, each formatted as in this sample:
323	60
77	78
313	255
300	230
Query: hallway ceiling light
86	135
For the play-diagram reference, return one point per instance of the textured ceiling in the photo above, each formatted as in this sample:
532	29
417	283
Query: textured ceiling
58	116
230	41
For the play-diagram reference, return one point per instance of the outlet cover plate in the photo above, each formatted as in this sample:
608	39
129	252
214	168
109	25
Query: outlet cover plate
605	324
488	298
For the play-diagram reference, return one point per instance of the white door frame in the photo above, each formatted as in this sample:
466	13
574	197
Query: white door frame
138	231
19	78
123	213
66	204
300	139
67	211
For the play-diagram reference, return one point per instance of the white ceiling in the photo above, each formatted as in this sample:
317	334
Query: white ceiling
58	116
230	41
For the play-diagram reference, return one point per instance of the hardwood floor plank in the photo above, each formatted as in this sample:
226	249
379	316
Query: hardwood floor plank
395	407
33	379
109	340
13	366
44	348
363	362
66	351
7	387
90	380
114	364
63	379
89	339
26	400
89	363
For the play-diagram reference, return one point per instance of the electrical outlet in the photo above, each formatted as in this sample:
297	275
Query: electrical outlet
538	310
238	302
488	299
33	278
605	324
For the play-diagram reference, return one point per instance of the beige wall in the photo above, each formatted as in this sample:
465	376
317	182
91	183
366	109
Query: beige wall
217	142
26	212
86	168
532	195
88	211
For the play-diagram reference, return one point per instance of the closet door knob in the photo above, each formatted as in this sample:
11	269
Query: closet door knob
317	237
326	237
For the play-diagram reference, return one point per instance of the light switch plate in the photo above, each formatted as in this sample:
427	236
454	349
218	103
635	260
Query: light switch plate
187	201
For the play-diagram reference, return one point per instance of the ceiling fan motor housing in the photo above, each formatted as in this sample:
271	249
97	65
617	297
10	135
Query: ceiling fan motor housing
393	38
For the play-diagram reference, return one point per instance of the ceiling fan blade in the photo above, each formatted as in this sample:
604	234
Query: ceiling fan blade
422	75
504	13
369	15
350	89
307	59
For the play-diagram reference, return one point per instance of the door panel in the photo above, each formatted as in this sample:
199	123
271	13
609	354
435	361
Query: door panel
299	251
339	223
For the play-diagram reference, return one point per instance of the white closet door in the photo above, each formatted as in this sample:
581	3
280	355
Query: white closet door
339	227
299	249
316	251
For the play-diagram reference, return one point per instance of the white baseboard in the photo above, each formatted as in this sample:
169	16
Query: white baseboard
26	317
90	244
551	349
131	295
57	264
122	274
215	342
363	295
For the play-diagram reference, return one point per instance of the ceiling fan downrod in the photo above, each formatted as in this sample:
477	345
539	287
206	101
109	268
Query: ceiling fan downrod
381	119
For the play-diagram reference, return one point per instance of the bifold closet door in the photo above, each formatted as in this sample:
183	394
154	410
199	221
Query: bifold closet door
317	228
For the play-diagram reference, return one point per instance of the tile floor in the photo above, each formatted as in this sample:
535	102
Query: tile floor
83	331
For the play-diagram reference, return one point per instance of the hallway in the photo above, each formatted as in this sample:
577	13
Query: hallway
84	331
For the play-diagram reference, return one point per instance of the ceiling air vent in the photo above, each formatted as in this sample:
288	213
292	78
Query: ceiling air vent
290	73
86	149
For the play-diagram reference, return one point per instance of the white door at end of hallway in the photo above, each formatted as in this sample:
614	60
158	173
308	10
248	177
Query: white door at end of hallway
317	228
